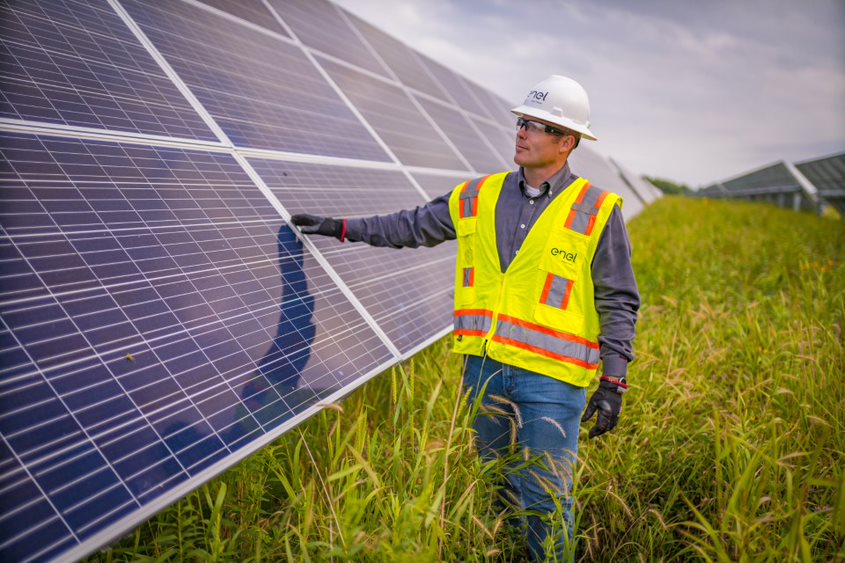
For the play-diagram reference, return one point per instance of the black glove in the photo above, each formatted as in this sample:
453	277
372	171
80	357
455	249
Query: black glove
314	225
608	402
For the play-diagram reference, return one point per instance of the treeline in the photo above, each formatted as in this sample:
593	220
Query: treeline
669	187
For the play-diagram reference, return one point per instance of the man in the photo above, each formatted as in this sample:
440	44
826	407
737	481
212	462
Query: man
544	292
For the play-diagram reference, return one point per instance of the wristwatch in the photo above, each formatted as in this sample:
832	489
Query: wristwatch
621	382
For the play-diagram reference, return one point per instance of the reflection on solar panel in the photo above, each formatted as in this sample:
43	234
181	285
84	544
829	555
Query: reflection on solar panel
158	317
404	291
159	321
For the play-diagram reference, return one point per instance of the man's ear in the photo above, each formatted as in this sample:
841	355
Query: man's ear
567	143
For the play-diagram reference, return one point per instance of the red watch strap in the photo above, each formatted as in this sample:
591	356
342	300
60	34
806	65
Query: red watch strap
343	231
614	381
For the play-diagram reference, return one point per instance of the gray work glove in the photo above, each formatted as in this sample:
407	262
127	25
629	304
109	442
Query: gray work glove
608	403
315	225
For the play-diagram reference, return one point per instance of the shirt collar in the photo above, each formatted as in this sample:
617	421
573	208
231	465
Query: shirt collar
550	186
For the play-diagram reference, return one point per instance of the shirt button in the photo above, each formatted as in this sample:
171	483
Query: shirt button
522	226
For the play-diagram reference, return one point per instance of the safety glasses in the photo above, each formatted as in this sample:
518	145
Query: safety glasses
538	127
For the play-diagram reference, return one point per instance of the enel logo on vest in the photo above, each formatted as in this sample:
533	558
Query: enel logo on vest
564	255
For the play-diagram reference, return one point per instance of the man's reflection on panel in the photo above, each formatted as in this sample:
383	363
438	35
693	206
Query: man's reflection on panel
273	394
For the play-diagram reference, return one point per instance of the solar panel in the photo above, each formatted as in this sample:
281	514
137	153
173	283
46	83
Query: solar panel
594	167
158	318
643	189
395	118
253	11
503	140
464	136
404	291
457	88
401	59
320	25
260	89
828	176
435	185
76	64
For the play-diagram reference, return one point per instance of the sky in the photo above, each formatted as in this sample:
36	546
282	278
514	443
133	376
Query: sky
694	92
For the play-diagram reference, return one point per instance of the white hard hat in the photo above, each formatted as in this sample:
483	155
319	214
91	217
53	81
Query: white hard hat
560	100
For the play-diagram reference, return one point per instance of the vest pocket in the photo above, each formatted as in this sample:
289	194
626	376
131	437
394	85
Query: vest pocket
565	256
565	320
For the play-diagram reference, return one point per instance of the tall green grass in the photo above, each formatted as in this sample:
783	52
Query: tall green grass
730	447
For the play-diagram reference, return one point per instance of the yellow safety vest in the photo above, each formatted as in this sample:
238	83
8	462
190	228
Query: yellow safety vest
540	315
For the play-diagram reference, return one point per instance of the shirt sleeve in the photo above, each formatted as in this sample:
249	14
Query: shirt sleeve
426	225
616	295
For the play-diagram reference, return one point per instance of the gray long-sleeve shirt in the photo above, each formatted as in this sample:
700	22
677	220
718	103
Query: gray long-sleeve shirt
616	295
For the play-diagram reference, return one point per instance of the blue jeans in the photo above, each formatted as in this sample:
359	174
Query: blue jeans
530	413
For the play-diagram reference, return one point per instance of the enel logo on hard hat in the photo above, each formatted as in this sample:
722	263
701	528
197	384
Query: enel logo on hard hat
537	95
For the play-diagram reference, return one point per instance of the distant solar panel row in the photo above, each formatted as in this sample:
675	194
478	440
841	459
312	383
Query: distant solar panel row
159	320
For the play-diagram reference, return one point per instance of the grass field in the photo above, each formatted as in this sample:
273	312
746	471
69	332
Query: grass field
730	447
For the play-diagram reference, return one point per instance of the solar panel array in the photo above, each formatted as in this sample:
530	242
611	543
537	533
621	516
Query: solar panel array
801	186
159	320
827	175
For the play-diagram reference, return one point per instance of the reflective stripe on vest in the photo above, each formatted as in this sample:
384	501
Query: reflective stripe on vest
469	277
582	217
469	197
556	292
547	342
473	322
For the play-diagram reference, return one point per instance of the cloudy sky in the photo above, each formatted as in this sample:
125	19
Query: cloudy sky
691	91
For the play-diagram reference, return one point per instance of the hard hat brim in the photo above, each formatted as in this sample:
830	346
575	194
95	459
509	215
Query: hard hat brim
528	111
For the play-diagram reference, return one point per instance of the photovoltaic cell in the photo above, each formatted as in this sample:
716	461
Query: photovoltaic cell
319	24
76	63
157	317
395	118
262	91
462	134
253	11
400	58
409	291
